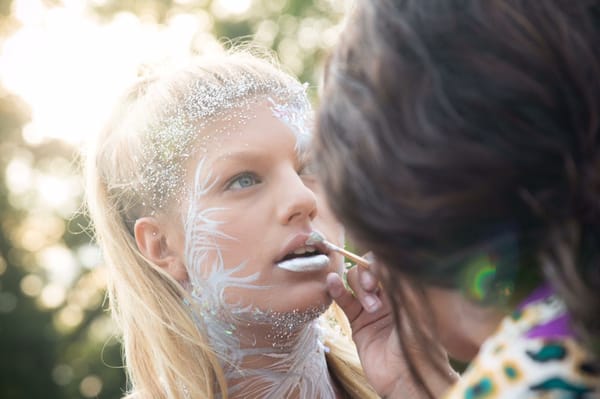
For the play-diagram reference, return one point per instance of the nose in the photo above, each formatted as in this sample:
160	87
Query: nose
297	201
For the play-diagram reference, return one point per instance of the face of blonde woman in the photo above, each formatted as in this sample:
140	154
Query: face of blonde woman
252	206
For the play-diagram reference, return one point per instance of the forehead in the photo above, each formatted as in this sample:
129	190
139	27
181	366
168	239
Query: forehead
255	124
182	135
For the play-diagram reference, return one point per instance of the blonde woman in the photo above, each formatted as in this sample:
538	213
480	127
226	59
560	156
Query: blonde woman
202	200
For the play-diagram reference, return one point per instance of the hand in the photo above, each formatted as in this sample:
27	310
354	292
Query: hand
375	335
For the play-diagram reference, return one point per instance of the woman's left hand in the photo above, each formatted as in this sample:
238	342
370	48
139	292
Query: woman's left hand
373	331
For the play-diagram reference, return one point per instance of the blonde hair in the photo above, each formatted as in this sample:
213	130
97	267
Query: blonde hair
166	355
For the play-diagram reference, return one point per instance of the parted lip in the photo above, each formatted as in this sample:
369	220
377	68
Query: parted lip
299	241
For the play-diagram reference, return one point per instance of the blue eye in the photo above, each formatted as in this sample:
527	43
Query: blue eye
243	180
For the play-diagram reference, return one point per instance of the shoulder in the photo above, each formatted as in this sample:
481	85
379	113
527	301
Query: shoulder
529	369
513	363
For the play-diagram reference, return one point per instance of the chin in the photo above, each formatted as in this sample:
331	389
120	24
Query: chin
314	303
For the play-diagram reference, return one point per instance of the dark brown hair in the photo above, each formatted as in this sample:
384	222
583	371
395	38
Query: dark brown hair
451	128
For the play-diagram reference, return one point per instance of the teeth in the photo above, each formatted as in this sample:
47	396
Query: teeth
303	250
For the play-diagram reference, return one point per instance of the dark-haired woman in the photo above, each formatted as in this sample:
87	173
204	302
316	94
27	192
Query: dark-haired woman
459	141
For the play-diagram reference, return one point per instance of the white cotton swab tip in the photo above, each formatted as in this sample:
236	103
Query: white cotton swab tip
316	238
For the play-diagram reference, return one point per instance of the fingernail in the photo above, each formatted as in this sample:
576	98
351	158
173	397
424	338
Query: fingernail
367	280
371	303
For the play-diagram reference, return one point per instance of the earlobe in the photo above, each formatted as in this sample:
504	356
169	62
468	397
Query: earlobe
152	241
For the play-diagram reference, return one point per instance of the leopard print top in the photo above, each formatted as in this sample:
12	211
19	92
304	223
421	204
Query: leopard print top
533	354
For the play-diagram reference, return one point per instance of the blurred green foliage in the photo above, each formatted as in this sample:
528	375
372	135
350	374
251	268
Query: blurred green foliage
57	343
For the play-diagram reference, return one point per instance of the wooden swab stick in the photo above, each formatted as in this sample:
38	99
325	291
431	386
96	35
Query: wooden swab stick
316	237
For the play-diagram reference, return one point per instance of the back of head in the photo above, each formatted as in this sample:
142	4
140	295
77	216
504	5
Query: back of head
137	168
456	127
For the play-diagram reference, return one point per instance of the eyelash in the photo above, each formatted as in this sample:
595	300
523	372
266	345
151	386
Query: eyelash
305	170
237	178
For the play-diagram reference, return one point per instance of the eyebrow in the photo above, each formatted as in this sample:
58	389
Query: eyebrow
241	155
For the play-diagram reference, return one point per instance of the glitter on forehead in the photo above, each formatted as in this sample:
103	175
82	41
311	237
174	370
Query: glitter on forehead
297	115
175	137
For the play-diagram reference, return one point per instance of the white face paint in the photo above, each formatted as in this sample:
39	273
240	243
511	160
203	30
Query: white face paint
251	210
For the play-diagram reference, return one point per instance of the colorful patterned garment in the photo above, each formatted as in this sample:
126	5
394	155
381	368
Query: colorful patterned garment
532	355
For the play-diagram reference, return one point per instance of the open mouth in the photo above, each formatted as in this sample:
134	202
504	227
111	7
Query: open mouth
302	252
304	259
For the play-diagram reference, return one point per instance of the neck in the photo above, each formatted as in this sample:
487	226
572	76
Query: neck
296	369
272	354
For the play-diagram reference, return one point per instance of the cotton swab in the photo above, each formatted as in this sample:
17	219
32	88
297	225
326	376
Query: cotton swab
316	237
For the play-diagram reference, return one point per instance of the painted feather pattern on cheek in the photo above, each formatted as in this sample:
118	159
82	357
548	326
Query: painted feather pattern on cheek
291	343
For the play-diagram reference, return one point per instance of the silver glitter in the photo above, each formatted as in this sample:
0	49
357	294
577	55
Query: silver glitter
284	327
291	349
296	114
179	131
293	342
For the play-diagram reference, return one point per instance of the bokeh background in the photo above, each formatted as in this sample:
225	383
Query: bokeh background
62	64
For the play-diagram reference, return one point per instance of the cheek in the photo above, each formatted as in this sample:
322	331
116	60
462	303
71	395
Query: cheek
243	243
240	232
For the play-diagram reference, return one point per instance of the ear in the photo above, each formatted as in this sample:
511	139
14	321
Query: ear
160	244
